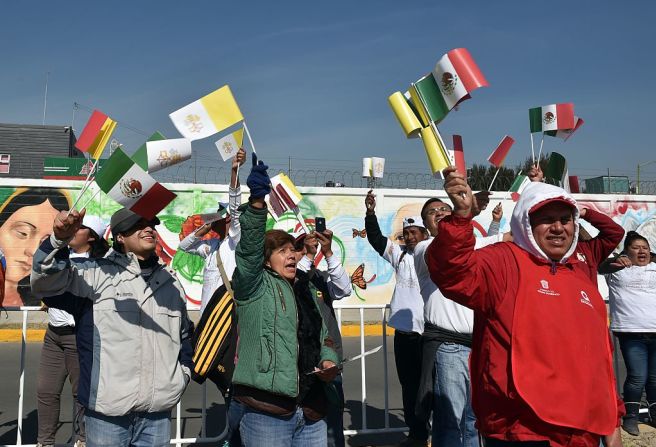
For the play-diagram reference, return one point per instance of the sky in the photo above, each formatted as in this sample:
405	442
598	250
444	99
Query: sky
312	78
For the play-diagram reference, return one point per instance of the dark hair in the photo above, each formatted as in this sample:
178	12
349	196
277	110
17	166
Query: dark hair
99	246
32	197
428	202
632	236
275	239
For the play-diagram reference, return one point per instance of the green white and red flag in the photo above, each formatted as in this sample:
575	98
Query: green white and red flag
497	157
552	117
557	171
457	75
566	133
127	183
520	182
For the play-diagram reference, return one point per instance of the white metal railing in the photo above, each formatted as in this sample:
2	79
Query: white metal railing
178	440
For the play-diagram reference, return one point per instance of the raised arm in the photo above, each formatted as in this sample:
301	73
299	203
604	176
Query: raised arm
609	237
234	199
339	283
374	235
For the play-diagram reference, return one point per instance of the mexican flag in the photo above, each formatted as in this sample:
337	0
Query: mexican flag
552	117
208	115
457	75
518	185
566	133
557	171
499	155
427	99
229	145
124	181
96	134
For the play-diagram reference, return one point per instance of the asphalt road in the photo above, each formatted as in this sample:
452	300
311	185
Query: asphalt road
192	399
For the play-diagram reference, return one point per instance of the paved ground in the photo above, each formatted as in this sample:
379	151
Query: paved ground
191	402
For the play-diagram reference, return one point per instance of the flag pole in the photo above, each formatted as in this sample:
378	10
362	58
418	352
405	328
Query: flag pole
92	197
297	211
493	179
532	149
250	139
541	143
86	185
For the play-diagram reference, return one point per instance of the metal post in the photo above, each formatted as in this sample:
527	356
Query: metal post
178	424
385	367
638	180
363	371
609	187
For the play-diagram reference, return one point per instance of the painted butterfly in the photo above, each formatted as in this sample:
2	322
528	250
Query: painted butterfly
357	278
361	233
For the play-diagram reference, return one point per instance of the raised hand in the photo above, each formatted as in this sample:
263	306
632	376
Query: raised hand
497	213
67	223
535	174
239	159
455	185
326	240
370	202
258	180
481	200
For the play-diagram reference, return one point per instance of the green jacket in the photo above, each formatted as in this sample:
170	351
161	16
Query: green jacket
266	311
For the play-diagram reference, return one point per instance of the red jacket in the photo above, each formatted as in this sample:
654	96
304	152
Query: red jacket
541	364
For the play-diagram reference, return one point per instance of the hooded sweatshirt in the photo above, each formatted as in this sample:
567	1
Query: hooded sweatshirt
541	363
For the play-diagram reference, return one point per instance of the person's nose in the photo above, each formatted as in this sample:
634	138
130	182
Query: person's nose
557	227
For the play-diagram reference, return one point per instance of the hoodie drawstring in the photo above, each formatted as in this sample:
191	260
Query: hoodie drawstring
553	267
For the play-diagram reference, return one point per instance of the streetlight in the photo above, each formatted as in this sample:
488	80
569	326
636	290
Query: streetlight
640	165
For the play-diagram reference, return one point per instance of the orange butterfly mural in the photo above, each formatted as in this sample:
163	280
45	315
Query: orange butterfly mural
361	233
357	278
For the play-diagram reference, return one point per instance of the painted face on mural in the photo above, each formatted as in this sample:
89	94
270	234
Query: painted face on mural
20	236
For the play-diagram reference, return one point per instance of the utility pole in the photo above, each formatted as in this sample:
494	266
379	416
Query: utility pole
45	100
640	165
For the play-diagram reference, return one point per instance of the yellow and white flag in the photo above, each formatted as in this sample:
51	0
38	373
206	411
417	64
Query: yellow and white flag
208	115
230	144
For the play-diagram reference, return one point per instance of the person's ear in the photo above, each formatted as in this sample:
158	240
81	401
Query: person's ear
119	238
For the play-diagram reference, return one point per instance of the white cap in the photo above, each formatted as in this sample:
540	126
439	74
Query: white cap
413	221
95	223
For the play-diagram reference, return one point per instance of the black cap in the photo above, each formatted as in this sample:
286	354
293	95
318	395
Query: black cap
124	219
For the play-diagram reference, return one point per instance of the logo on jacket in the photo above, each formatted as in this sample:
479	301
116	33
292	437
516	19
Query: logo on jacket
544	289
581	257
585	299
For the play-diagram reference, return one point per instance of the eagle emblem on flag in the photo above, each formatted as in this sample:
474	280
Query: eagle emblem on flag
449	82
131	188
549	118
193	123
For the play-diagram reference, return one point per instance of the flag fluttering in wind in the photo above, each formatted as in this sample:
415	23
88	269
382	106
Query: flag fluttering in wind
520	182
124	181
208	115
428	101
459	155
96	134
140	156
404	113
557	171
284	197
159	154
229	145
457	75
566	133
552	117
499	155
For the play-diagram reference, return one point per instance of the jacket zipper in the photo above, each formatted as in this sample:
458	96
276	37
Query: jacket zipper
553	267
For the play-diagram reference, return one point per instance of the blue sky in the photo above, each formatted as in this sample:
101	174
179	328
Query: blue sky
312	78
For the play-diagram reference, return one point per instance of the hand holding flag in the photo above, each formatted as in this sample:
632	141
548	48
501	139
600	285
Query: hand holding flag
497	157
258	180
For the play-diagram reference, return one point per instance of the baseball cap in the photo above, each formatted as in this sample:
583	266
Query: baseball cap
413	221
124	219
95	223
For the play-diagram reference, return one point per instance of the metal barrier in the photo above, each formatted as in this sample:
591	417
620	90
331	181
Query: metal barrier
179	441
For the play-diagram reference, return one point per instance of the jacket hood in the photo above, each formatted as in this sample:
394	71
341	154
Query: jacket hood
520	225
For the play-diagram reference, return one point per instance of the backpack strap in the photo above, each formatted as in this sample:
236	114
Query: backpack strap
224	275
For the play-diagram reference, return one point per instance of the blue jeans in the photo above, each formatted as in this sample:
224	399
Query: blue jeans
262	429
335	417
639	352
138	429
453	418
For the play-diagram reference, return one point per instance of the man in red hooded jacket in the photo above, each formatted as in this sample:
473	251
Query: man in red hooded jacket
541	362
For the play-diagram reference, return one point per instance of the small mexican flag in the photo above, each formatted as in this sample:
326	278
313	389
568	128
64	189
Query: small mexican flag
521	182
210	114
551	117
459	154
566	133
557	171
497	157
124	181
96	134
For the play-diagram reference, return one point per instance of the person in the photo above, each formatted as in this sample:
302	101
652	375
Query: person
59	354
140	355
25	219
285	361
631	279
406	312
223	246
445	381
541	359
333	284
495	225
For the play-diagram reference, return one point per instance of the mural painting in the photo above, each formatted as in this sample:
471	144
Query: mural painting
27	210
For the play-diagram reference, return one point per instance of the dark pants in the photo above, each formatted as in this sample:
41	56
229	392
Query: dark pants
407	356
58	360
639	352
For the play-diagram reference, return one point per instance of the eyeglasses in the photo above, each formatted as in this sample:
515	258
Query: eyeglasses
441	209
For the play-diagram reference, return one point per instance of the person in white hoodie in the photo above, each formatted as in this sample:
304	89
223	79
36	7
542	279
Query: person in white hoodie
224	246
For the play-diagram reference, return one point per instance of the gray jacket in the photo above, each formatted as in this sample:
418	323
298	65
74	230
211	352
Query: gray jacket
141	333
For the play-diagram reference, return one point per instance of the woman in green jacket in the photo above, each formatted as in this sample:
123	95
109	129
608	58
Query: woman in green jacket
285	357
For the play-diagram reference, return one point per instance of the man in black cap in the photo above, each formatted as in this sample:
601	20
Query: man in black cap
141	349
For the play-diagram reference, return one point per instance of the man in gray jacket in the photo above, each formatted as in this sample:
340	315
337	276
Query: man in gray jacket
140	357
